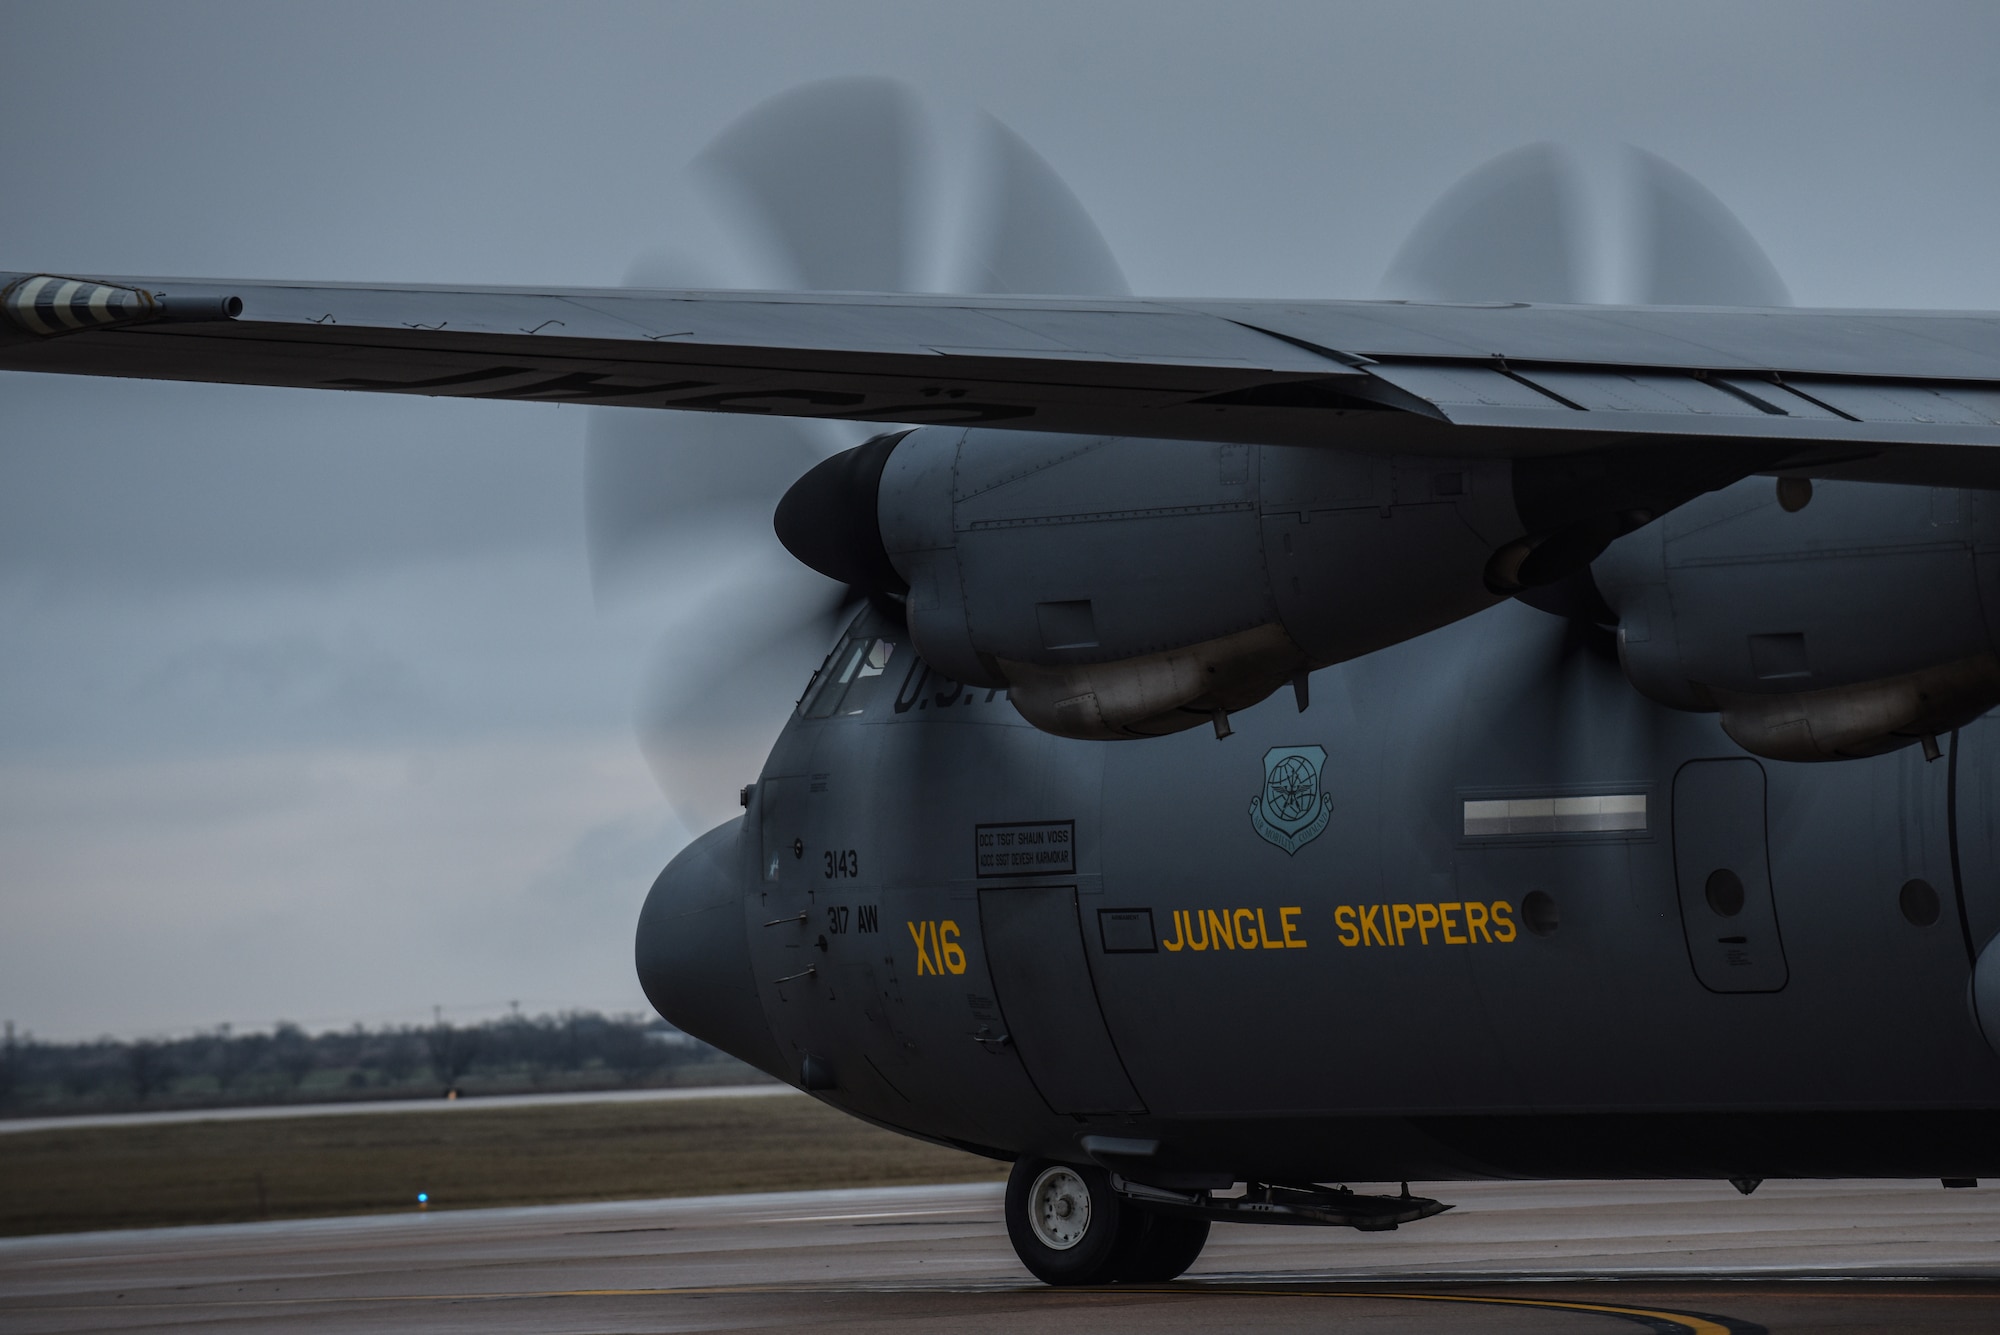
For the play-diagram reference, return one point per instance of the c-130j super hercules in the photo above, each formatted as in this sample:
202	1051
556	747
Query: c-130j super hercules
1473	884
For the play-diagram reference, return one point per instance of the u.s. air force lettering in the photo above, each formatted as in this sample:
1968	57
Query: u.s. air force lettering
1292	810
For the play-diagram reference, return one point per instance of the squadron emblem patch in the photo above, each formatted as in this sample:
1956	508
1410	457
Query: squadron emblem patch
1292	810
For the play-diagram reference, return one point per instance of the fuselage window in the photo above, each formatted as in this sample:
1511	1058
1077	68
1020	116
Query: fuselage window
850	678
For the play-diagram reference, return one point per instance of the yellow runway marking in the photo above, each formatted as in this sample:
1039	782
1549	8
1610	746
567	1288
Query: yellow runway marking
1660	1319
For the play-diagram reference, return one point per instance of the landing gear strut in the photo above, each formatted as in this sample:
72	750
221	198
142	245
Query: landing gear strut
1069	1227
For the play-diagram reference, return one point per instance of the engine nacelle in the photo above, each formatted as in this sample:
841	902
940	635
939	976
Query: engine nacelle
1857	624
1128	588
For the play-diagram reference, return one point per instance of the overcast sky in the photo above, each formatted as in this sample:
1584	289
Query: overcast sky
306	711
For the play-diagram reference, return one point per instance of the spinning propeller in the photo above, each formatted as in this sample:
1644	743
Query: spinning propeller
1515	229
833	189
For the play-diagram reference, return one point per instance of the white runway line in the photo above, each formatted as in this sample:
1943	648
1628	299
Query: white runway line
16	1125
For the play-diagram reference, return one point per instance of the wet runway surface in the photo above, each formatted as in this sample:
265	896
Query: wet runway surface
1544	1257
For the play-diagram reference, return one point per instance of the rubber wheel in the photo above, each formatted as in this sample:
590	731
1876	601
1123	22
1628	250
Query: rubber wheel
1064	1221
1154	1248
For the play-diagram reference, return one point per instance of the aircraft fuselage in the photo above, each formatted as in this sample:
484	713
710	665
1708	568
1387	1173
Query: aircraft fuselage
1479	910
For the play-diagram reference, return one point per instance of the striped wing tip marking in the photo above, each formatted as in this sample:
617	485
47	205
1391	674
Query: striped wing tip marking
46	305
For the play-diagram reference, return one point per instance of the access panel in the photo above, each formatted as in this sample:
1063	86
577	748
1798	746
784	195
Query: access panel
1723	870
1034	952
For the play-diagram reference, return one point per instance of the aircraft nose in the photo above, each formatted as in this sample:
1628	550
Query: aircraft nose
693	954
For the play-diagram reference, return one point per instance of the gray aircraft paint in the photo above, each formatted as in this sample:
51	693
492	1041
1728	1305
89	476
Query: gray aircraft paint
1256	372
1607	1013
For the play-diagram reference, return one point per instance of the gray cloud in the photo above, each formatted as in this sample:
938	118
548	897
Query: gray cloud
162	485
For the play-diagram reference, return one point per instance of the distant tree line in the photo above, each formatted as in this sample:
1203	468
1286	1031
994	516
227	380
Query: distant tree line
576	1050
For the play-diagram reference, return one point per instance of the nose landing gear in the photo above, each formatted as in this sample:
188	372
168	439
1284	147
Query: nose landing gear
1069	1227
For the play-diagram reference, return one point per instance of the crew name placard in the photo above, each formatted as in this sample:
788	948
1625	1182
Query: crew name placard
1026	848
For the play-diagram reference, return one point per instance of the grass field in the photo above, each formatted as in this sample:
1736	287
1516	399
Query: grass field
217	1172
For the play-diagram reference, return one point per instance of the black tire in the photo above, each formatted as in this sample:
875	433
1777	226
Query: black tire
1064	1221
1155	1248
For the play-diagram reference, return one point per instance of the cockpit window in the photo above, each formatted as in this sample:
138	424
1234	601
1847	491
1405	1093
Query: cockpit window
850	678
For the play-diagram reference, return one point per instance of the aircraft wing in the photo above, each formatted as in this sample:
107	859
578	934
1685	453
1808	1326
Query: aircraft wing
1881	394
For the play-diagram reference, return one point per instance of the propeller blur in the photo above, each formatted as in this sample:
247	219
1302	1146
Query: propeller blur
830	187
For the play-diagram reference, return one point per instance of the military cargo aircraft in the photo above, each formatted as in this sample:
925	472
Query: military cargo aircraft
1282	745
